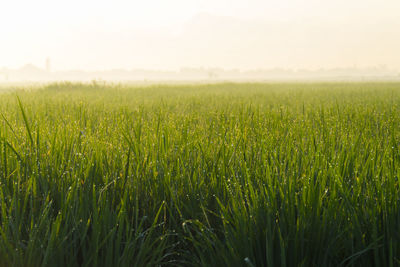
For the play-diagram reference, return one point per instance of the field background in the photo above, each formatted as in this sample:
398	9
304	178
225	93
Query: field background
278	174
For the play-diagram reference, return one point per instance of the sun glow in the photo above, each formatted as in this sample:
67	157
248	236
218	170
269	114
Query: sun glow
171	34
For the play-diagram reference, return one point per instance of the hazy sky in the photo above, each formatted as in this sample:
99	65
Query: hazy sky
161	34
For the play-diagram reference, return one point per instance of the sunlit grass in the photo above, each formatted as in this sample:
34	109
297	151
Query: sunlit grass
203	175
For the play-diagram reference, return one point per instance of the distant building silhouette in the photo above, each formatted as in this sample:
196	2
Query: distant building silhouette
48	65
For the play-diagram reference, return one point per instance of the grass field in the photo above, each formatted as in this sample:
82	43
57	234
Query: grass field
200	175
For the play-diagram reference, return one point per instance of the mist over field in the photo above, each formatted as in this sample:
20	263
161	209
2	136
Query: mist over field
361	38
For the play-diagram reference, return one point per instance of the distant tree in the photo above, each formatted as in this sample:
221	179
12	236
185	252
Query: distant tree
212	75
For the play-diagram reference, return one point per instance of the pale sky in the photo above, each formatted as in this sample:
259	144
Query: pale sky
161	34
